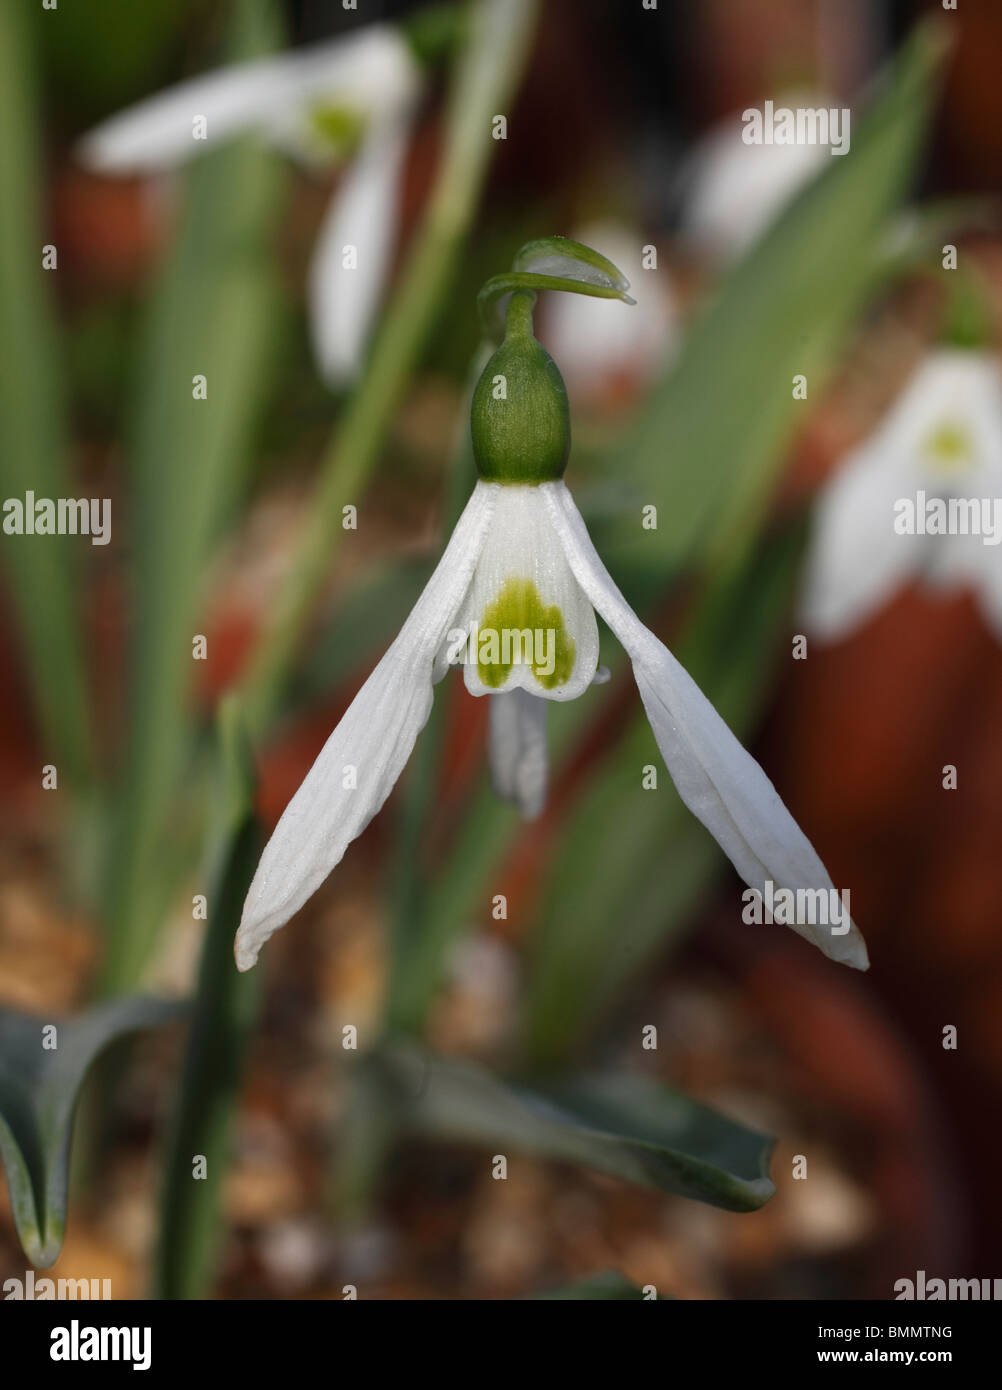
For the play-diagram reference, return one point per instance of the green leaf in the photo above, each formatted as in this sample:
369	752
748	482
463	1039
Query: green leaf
33	443
632	863
609	1284
436	31
707	447
225	1010
211	315
39	1087
627	1126
100	57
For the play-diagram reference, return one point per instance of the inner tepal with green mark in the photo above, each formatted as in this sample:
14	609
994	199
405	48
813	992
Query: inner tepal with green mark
949	448
338	127
517	626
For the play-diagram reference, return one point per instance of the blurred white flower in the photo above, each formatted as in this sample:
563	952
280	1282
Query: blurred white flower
733	190
354	95
520	558
920	499
596	341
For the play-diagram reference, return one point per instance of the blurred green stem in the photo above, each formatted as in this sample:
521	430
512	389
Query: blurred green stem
487	75
211	312
224	1013
33	444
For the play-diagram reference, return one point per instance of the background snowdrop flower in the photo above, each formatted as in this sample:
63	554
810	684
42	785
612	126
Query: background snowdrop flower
354	94
520	564
734	190
941	440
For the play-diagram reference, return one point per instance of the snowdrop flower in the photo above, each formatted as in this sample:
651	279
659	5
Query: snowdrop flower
514	600
920	499
735	190
315	105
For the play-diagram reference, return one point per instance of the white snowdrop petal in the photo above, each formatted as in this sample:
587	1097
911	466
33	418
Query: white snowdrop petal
371	71
856	560
517	750
716	777
363	214
525	604
961	393
159	133
366	753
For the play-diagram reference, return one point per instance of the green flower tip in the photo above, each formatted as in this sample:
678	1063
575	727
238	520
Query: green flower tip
520	419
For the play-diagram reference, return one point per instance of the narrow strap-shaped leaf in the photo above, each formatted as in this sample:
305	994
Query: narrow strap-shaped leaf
223	1016
43	1065
628	1126
42	573
211	316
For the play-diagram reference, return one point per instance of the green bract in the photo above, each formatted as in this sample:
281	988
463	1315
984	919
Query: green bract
520	419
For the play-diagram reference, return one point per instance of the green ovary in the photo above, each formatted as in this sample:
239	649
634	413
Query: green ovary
949	448
518	610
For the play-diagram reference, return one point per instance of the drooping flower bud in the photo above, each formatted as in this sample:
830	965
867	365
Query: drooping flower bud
520	419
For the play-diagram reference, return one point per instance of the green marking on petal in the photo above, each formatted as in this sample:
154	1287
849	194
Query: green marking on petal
949	448
338	127
518	624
